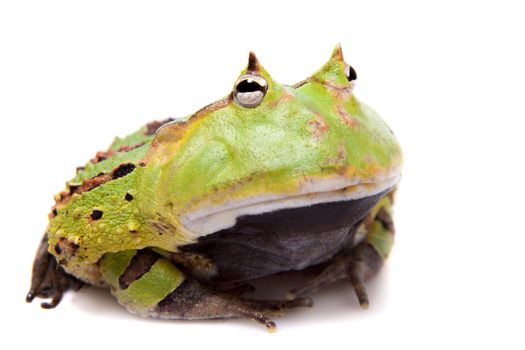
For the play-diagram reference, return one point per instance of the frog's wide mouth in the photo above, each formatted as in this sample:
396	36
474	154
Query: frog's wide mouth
208	218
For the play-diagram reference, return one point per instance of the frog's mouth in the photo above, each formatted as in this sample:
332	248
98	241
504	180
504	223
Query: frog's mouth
211	218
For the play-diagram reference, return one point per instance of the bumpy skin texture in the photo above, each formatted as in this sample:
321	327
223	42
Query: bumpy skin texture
144	191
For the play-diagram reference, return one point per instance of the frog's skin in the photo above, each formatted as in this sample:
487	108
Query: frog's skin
176	217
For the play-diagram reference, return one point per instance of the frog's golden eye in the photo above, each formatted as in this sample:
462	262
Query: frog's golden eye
249	90
350	73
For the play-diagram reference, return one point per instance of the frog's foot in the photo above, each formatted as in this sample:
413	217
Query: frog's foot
153	286
193	300
49	280
356	266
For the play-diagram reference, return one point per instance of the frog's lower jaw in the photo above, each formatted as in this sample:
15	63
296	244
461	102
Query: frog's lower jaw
211	218
282	240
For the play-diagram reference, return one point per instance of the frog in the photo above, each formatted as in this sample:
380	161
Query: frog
178	218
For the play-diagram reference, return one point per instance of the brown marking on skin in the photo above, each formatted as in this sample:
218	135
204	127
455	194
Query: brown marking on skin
152	127
139	265
93	182
122	170
66	248
80	168
54	212
340	92
72	188
345	117
128	197
301	83
101	155
127	148
319	125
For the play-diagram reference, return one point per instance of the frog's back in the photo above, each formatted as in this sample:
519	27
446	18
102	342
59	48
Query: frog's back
131	148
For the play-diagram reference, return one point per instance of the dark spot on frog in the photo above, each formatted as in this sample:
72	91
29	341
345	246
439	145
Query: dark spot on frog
128	197
122	170
66	246
54	211
151	128
160	233
80	168
138	266
142	164
96	214
73	189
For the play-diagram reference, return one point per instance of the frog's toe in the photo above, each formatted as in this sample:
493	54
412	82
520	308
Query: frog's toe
49	280
354	267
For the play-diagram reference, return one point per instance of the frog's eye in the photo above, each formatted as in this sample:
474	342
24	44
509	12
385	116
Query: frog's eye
249	90
350	73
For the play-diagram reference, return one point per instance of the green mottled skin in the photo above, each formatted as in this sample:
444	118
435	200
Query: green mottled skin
224	152
144	293
271	148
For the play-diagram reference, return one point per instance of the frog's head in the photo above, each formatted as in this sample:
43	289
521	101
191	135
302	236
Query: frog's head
269	146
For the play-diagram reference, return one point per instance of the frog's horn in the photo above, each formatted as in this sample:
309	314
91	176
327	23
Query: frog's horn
253	62
337	54
255	67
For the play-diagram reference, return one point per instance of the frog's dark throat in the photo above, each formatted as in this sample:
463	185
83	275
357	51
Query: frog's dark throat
268	243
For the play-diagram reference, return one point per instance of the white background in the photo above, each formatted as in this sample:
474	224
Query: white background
447	76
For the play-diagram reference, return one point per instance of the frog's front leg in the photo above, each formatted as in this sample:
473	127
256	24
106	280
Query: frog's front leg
49	280
152	286
361	261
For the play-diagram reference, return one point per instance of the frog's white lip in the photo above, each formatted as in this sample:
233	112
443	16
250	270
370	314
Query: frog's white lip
212	218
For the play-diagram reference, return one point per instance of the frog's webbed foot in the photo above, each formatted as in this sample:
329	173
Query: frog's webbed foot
49	280
356	266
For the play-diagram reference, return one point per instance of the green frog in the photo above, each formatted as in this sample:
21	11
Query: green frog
177	218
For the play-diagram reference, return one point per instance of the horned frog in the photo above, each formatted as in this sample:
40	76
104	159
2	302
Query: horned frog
178	216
